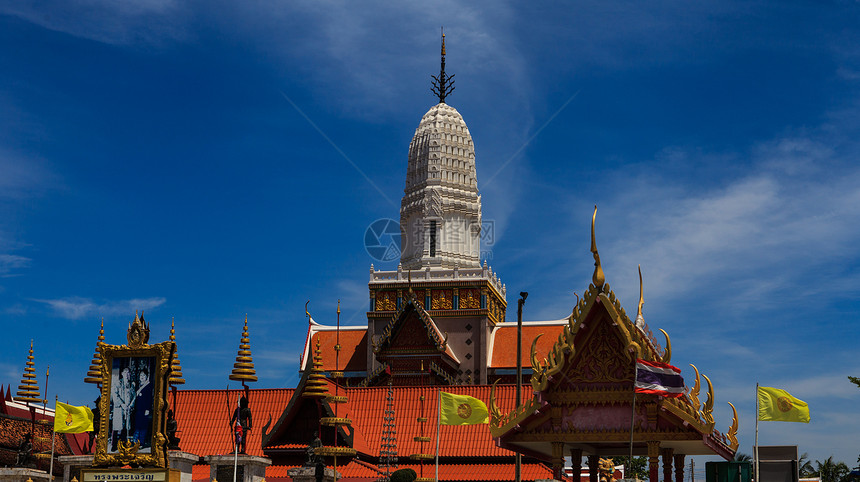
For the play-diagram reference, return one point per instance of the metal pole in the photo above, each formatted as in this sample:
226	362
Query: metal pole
632	417
756	433
53	431
520	303
438	429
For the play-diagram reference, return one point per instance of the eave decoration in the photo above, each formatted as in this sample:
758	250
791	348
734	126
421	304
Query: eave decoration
557	368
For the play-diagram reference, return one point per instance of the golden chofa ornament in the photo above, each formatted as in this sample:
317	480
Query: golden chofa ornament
243	369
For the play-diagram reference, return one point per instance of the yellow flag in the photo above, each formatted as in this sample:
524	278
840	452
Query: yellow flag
778	405
462	410
72	419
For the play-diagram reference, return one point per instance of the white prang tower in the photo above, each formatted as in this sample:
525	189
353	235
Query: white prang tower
440	213
430	321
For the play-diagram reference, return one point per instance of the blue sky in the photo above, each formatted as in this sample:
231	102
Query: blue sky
204	160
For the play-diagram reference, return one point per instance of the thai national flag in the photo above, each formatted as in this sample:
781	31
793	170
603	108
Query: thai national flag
658	378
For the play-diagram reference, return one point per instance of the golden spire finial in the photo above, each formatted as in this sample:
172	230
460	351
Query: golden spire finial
243	369
94	374
597	278
640	320
443	85
338	307
28	390
175	367
316	386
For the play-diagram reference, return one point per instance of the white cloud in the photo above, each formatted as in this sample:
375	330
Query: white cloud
10	262
112	22
75	308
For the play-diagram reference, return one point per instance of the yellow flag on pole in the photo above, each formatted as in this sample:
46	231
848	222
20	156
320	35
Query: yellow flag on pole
777	405
461	410
72	419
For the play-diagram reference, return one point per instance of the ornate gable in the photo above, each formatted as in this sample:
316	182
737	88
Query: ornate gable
583	392
412	328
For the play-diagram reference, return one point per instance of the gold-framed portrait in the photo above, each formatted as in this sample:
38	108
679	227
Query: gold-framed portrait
133	403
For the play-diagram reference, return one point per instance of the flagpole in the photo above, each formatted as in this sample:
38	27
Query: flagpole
756	432
438	429
632	418
53	433
236	443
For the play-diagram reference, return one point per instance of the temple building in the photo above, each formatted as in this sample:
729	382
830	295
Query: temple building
367	400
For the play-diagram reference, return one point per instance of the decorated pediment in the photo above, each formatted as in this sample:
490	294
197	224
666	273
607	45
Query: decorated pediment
411	329
584	386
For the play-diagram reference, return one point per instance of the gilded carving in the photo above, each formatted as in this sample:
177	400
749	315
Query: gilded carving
733	430
441	299
470	299
386	301
601	358
694	392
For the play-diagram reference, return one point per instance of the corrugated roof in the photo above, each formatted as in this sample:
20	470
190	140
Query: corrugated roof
203	418
503	345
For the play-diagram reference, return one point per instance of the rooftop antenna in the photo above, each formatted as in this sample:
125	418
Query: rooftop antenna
444	84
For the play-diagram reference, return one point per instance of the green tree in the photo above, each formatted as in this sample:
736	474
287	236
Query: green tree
854	380
831	471
742	457
639	468
804	466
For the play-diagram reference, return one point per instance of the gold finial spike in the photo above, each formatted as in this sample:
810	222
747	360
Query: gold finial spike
338	306
443	40
243	369
28	390
597	278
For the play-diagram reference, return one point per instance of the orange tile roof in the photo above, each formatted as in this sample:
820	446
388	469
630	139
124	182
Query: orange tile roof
359	470
366	405
203	417
503	351
353	349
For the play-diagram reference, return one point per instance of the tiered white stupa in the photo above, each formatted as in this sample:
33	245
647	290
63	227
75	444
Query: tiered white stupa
440	213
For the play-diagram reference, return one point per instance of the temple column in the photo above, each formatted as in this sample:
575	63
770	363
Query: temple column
558	460
593	466
576	463
679	467
653	461
667	453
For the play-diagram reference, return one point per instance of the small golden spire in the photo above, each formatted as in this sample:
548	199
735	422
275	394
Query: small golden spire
443	40
640	320
28	390
597	278
316	386
94	375
243	369
175	367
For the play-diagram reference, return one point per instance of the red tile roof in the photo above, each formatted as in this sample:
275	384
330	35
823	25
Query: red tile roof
203	417
353	349
363	471
503	348
366	405
201	414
